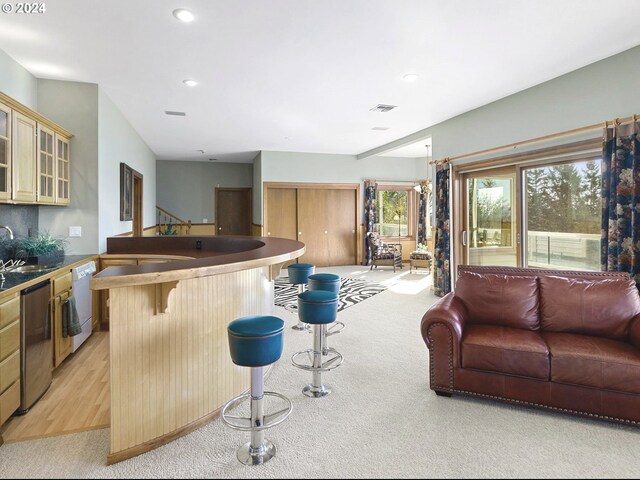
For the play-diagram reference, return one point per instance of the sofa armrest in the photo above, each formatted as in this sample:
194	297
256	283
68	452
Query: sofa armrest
441	327
634	331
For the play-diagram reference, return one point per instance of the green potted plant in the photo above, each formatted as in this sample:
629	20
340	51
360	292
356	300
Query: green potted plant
42	249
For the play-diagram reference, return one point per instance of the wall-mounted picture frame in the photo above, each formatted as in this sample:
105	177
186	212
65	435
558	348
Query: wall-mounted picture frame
126	192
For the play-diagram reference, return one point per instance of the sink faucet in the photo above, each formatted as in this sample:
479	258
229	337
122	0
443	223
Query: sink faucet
8	230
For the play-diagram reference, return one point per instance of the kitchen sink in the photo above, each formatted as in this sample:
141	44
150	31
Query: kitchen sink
30	268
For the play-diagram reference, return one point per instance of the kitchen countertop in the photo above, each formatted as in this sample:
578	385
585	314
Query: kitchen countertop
14	281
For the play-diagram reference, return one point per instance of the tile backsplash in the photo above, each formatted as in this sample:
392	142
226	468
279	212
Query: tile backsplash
21	219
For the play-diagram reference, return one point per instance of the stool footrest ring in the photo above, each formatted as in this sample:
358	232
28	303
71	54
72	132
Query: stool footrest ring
334	362
244	423
291	308
336	327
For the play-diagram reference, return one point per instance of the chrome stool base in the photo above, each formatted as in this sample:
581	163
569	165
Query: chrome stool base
293	308
316	364
259	450
256	456
316	392
301	326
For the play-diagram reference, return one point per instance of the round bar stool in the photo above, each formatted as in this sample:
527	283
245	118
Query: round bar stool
299	275
317	308
329	282
256	342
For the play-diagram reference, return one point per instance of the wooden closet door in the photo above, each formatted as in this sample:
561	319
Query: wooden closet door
342	226
313	225
282	216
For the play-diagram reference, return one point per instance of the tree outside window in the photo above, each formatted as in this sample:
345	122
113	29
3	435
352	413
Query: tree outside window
394	212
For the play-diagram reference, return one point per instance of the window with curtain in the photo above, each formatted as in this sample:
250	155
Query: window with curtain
396	211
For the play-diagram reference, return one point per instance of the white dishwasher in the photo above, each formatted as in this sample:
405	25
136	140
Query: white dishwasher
82	294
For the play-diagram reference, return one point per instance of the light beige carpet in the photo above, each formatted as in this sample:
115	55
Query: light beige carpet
382	421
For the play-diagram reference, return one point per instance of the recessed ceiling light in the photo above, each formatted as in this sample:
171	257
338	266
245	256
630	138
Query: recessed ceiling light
177	114
183	15
190	82
380	128
410	77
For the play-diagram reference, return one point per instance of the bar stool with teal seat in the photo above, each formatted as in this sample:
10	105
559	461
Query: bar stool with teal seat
317	308
299	275
256	342
329	282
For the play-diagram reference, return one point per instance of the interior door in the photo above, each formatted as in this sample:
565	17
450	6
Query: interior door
342	226
233	211
490	233
313	225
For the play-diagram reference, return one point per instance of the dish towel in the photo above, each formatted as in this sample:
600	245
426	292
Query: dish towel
70	320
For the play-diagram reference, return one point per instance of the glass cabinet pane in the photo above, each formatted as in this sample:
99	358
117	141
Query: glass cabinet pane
4	157
4	126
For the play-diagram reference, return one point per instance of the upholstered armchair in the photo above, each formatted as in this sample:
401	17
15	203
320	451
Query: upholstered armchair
384	253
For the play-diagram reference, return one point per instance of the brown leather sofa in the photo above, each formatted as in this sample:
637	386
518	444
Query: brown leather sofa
563	340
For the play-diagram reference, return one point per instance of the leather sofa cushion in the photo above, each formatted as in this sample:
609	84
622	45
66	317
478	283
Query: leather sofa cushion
602	307
493	299
505	350
594	362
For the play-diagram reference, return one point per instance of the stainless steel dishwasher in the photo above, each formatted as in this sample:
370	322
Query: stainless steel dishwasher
36	359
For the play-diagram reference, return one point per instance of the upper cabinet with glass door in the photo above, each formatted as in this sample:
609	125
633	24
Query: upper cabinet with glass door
46	163
63	171
5	152
34	157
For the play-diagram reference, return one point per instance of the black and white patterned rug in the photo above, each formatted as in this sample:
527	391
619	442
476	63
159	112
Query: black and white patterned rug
352	291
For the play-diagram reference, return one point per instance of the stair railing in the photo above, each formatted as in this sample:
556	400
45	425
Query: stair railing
169	224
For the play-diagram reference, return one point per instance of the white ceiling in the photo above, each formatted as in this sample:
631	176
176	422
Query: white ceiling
301	75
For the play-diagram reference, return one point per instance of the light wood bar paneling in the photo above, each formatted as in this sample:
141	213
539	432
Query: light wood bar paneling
171	370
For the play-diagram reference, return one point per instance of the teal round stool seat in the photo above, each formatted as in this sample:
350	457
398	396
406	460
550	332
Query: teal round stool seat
317	307
329	282
299	272
255	341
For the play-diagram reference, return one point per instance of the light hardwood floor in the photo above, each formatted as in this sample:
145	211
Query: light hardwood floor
77	400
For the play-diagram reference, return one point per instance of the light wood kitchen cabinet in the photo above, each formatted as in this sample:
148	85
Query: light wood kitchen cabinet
35	165
5	152
9	356
46	164
61	290
23	156
63	171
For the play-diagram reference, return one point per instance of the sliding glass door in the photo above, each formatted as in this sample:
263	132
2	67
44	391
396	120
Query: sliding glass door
539	214
562	212
490	231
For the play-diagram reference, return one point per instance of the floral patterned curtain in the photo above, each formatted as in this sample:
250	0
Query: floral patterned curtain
621	200
423	199
441	273
370	213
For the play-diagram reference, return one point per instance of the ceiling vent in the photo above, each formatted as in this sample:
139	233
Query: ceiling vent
380	128
383	108
177	114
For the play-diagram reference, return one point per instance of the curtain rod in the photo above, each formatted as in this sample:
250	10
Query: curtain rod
392	181
616	121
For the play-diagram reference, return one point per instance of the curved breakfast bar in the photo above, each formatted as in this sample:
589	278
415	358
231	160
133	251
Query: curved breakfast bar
171	371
